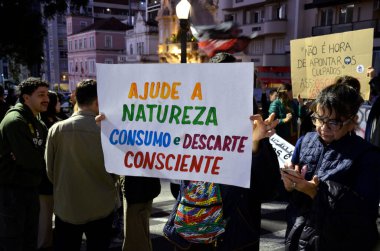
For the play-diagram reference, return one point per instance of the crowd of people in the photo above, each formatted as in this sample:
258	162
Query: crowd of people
50	164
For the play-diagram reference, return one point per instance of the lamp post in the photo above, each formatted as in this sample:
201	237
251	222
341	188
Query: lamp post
183	10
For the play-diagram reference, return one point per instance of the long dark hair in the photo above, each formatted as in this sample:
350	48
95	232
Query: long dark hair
50	116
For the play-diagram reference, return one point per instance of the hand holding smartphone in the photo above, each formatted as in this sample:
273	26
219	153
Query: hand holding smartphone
291	172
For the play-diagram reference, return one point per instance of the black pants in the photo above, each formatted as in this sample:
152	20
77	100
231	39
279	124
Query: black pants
19	211
69	236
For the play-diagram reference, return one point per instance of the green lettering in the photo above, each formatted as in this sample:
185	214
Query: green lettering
151	108
201	110
141	113
211	117
127	112
174	114
185	116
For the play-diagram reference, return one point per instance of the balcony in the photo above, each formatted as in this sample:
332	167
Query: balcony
336	28
275	26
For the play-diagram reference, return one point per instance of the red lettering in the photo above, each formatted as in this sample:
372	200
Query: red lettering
187	141
241	144
226	143
160	164
138	160
184	164
196	165
208	159
215	167
170	156
126	164
149	161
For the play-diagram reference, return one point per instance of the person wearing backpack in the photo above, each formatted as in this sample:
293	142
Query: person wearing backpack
241	206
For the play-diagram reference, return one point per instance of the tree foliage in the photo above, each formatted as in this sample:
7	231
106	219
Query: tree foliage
22	30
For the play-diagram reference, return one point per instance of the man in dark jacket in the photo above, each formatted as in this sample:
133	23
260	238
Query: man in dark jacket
22	144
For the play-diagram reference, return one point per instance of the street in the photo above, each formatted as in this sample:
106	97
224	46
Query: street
272	229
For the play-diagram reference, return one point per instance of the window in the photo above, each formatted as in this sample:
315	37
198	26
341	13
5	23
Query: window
108	61
75	44
229	17
63	54
70	67
278	46
130	49
281	12
84	43
69	28
108	41
256	47
140	48
91	68
327	17
92	44
80	44
83	24
256	17
346	13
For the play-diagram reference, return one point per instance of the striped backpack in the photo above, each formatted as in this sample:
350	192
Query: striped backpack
199	216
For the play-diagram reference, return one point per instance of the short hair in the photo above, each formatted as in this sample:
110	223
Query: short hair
350	81
222	57
341	98
30	85
86	92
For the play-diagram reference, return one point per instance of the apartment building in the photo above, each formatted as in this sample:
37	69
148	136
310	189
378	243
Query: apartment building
141	42
92	41
276	22
55	68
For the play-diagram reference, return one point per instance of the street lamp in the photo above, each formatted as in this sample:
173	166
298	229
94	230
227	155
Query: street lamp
182	10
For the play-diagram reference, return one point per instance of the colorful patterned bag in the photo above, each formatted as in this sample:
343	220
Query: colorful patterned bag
199	216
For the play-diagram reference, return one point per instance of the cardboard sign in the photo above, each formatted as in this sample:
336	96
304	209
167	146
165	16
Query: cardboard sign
317	61
178	121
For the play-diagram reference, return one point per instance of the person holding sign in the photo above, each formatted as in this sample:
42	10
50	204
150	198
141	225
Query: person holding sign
334	178
241	206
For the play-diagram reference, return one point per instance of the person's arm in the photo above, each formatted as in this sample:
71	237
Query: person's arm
17	133
262	129
50	154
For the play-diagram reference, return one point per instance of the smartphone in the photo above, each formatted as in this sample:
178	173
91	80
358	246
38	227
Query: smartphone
292	172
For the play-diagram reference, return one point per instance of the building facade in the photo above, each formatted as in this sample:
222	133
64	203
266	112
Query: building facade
141	42
92	41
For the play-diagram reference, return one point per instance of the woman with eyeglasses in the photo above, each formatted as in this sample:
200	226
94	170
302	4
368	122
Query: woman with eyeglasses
334	184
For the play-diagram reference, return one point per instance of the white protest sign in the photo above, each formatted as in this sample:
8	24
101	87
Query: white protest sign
362	119
178	121
283	149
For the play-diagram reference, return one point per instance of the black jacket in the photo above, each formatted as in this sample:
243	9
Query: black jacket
140	189
22	147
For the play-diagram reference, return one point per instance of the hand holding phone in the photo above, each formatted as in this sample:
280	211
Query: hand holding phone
291	172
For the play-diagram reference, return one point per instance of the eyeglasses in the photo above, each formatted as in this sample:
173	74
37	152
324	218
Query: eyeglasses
332	124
